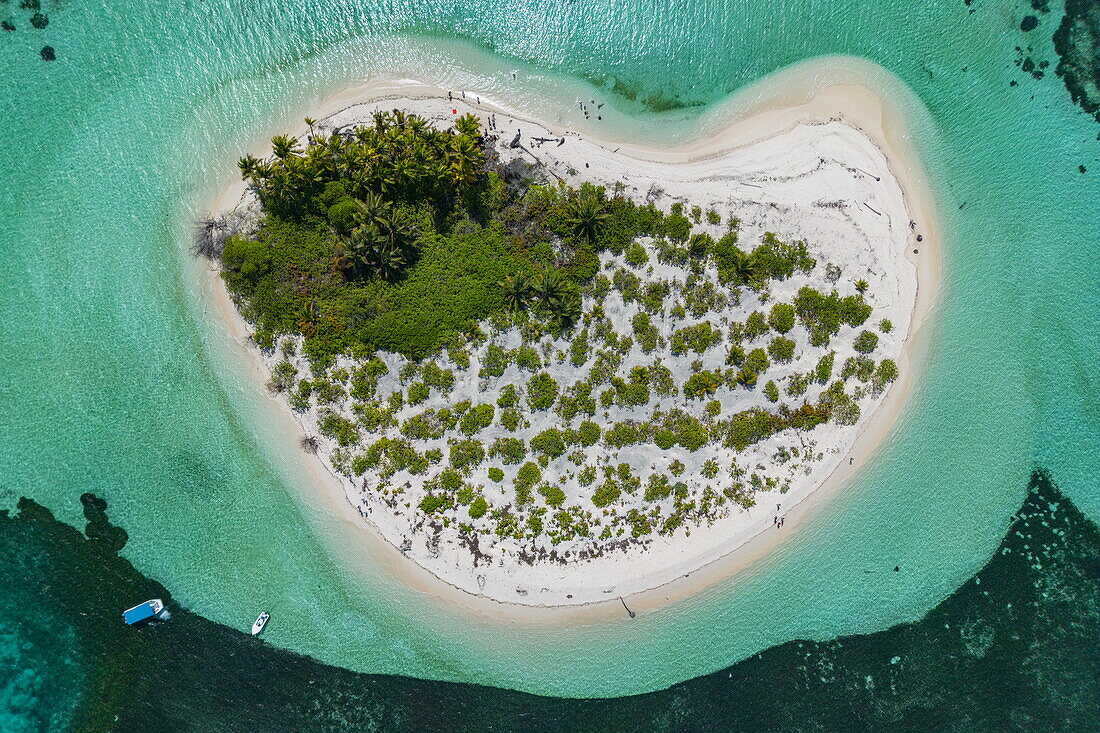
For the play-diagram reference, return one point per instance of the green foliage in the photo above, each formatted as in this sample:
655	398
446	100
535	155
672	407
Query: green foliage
542	390
781	349
709	469
553	495
478	507
528	475
466	454
781	317
885	372
636	391
588	433
494	361
860	367
636	256
507	396
756	325
645	332
283	375
606	494
702	384
509	450
549	442
824	368
624	433
338	428
866	342
779	260
822	315
664	439
697	338
527	358
433	503
437	378
510	419
657	487
476	418
661	380
771	391
496	474
417	393
885	325
756	361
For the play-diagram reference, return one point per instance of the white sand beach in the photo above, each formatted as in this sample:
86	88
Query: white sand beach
834	168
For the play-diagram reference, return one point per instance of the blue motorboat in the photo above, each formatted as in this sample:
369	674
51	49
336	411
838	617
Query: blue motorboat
151	609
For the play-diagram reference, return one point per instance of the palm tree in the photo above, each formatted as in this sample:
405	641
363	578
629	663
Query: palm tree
249	166
464	160
747	378
745	268
861	286
468	125
549	287
566	310
517	291
283	147
586	215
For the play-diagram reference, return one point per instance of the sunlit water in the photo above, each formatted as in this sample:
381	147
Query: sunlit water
115	379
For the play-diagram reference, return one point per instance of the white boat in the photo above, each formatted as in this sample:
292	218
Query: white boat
260	622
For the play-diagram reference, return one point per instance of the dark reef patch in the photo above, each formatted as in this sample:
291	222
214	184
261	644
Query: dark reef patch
47	53
1077	42
1029	23
1014	647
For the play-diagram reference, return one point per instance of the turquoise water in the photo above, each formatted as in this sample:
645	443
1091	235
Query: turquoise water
115	379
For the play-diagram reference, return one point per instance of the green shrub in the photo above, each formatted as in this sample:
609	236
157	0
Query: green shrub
664	439
510	451
508	396
702	384
437	378
645	332
478	508
781	349
756	325
588	433
510	420
885	325
542	390
771	391
496	474
657	487
417	393
860	367
697	338
466	454
885	372
339	428
606	494
636	256
624	433
476	418
283	375
525	357
549	442
781	317
866	342
710	468
435	503
528	475
494	361
756	361
824	368
553	495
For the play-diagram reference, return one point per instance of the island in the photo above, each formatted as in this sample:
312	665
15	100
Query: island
552	372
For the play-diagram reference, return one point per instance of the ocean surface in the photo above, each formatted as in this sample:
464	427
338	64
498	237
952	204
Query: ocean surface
116	379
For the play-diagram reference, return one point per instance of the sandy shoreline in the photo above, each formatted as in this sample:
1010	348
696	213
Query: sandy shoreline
855	104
